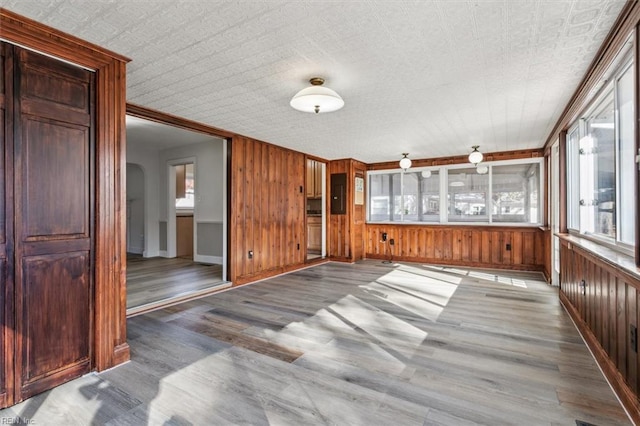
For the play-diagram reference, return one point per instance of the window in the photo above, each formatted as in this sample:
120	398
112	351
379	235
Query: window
601	167
508	193
412	196
467	196
384	193
573	179
185	184
515	193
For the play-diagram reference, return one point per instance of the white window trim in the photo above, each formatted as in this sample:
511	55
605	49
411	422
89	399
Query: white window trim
623	62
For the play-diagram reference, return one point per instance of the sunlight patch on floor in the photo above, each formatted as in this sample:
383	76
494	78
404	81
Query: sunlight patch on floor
516	282
421	295
389	330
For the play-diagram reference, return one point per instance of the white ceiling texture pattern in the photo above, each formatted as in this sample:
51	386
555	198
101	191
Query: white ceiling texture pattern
431	78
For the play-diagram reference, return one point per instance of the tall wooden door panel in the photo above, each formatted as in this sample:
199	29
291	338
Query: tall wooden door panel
53	189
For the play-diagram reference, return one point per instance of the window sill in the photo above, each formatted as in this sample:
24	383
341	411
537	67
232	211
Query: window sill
453	224
608	255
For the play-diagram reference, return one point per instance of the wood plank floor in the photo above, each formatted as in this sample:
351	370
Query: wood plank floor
151	280
363	344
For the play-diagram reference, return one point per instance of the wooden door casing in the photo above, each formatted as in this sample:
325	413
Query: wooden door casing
6	228
54	210
109	346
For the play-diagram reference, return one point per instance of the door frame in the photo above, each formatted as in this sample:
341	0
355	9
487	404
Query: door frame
109	346
171	204
183	123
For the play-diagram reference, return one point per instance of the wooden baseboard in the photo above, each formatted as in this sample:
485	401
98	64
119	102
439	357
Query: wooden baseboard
341	259
248	279
626	396
121	353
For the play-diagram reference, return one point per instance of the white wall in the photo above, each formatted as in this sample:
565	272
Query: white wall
135	209
209	186
148	159
209	192
209	178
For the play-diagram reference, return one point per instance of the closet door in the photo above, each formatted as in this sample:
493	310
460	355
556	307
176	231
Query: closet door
54	209
6	226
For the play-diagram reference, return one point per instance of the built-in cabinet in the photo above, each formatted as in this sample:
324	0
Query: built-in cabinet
314	179
184	236
314	234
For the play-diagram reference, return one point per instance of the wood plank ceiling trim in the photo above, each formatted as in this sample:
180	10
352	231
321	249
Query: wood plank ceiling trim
173	120
110	343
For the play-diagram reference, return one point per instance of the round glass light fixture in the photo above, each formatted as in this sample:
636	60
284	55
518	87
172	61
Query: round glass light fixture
476	156
316	98
426	174
482	170
405	162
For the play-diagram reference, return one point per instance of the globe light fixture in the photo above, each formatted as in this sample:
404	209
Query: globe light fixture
482	170
476	156
316	98
426	174
405	162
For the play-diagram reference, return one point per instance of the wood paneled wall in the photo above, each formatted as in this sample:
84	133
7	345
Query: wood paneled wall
267	210
345	235
603	301
547	262
475	246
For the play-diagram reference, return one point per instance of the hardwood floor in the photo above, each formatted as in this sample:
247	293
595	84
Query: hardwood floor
158	280
363	344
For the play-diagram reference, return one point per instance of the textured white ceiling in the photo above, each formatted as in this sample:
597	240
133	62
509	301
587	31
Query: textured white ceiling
426	77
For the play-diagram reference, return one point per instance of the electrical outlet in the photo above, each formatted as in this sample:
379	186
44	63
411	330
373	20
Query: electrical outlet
508	247
250	254
391	242
384	236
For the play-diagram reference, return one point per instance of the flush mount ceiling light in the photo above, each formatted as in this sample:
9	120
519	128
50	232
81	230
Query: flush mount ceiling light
317	98
405	162
476	156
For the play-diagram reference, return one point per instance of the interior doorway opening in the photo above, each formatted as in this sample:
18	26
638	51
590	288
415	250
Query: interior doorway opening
316	209
176	214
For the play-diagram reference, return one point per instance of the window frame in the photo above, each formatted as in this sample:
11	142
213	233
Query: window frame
443	172
622	66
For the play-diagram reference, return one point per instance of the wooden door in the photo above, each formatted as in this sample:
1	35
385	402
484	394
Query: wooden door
54	210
